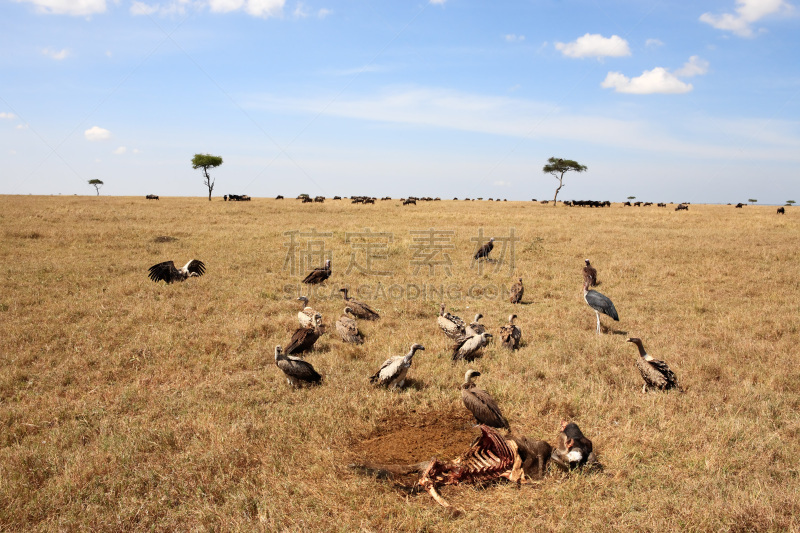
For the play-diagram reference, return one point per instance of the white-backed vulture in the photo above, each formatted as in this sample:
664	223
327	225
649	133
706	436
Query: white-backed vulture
303	339
359	309
166	271
297	371
318	275
348	329
600	303
452	325
516	292
589	274
475	327
483	251
480	404
510	334
469	347
393	372
656	374
306	315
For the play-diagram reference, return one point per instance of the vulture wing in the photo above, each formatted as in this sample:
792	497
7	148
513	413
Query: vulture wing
385	371
299	369
165	271
602	303
195	266
483	408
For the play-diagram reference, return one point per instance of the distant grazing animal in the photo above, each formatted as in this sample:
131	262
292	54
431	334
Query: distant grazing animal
599	303
781	211
510	334
409	201
279	197
590	274
656	374
682	207
475	327
483	251
469	347
739	205
572	448
480	403
359	309
393	371
453	326
151	197
516	292
303	339
306	315
319	199
297	371
347	329
166	271
318	275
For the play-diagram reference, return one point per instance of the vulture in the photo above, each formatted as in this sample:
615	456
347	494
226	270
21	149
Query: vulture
483	251
318	275
572	448
510	334
359	309
476	328
297	371
347	328
304	338
590	274
600	304
480	404
306	315
515	294
656	374
166	271
469	347
393	371
452	325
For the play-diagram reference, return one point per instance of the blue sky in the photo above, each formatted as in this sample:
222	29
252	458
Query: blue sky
665	101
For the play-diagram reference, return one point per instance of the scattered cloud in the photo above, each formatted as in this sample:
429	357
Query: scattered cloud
595	45
438	2
512	38
174	7
515	88
694	67
659	80
96	133
652	43
22	126
58	55
746	13
256	8
323	12
7	116
68	7
119	151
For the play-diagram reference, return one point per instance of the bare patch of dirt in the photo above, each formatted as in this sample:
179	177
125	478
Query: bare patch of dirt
165	238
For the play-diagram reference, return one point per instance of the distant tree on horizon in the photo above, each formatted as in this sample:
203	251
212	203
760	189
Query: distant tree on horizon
558	167
96	184
631	198
206	161
790	202
752	200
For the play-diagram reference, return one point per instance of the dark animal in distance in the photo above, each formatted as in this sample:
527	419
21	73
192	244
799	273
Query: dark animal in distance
318	275
682	207
781	211
483	251
167	272
739	205
297	371
151	197
590	274
516	292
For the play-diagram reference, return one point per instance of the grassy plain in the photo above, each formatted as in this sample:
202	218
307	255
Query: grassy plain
127	405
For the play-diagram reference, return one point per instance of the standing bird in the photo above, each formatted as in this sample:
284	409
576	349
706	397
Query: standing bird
306	315
510	334
303	339
297	371
480	404
393	372
516	292
469	347
166	271
483	251
590	274
318	275
476	328
359	309
572	448
600	304
452	325
347	328
656	374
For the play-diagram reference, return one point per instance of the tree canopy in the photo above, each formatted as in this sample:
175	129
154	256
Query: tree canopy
96	183
206	161
558	167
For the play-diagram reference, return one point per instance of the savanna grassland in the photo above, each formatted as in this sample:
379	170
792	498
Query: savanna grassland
127	405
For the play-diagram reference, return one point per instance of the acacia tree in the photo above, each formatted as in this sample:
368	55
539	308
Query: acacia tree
206	161
558	167
96	184
752	200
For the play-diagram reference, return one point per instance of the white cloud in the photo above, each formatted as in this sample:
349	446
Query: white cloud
22	126
96	133
68	7
653	43
58	55
512	38
746	13
323	12
136	151
140	8
256	8
300	10
7	116
438	2
175	7
694	67
595	45
119	151
658	80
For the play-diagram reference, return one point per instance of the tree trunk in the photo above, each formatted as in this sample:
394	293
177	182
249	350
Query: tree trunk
560	184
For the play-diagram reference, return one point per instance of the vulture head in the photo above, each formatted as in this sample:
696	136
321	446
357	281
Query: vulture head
511	319
469	377
441	310
278	352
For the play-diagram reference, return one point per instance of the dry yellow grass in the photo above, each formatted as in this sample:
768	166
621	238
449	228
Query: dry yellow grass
129	405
